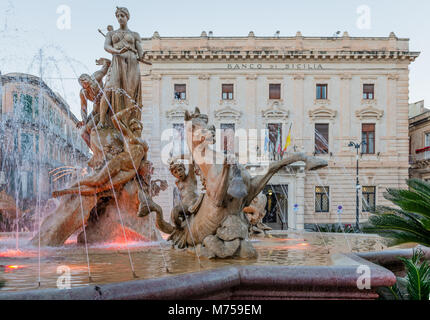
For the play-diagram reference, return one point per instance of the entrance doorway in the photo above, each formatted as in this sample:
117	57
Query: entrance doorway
277	206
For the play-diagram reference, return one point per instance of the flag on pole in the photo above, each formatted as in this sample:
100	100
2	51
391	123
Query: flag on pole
266	141
278	142
288	141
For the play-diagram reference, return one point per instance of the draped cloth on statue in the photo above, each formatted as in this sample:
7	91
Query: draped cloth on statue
123	86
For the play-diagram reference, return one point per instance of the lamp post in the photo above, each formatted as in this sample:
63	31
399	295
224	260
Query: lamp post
357	186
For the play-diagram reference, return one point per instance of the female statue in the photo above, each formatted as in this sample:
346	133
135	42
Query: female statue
123	86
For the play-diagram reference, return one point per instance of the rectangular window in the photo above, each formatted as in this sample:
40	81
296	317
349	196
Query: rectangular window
227	137
27	144
30	184
27	106
368	138
427	140
15	142
322	199
227	91
15	103
322	91
178	139
368	198
180	92
321	138
37	143
36	107
274	91
368	91
273	143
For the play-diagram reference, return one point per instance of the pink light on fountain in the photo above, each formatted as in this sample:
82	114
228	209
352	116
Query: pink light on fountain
11	253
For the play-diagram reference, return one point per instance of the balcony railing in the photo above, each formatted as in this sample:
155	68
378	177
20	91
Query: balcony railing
422	156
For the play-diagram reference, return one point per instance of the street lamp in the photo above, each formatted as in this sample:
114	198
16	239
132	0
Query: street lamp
357	186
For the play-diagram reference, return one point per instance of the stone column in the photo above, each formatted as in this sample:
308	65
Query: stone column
392	112
298	129
252	108
345	112
151	117
300	197
204	97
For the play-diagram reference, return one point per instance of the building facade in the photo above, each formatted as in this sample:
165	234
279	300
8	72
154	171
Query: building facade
327	91
419	138
38	134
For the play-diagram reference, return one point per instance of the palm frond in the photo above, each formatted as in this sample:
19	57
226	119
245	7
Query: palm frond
410	222
418	276
420	186
401	229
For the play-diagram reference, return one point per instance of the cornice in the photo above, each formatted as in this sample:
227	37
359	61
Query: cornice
282	55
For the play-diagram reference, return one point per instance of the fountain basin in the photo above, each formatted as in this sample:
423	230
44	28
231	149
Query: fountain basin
235	283
288	254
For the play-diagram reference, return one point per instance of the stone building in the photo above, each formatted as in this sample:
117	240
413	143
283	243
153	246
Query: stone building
419	139
38	134
328	90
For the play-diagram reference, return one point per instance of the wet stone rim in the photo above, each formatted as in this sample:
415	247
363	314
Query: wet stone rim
244	282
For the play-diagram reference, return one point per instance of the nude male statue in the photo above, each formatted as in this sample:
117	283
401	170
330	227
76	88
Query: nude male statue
122	167
92	90
187	186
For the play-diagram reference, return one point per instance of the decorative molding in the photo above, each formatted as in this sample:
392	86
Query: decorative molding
228	113
204	77
299	76
322	113
275	112
179	102
251	77
273	103
156	77
369	102
176	113
346	76
393	76
296	54
322	101
180	77
227	102
369	113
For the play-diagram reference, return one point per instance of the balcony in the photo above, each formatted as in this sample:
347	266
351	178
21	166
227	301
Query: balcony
421	155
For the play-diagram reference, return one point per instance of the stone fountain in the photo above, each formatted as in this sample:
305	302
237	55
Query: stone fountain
115	200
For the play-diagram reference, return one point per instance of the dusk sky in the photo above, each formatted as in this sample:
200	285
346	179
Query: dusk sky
29	27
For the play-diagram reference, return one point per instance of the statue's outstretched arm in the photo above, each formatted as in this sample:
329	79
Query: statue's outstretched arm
139	48
259	182
99	74
221	185
84	106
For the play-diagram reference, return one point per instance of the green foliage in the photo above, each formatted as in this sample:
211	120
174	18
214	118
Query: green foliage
417	276
333	228
410	223
416	284
2	283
